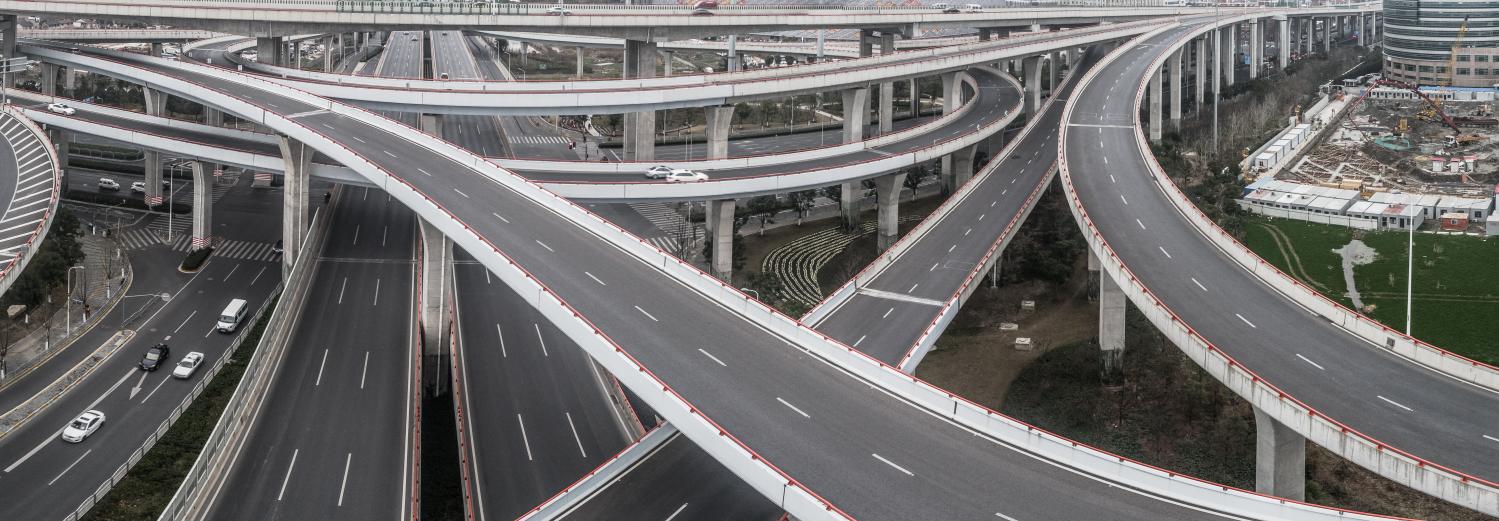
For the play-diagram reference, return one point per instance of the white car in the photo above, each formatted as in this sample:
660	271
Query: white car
82	426
61	109
658	172
686	176
106	183
188	365
138	187
558	11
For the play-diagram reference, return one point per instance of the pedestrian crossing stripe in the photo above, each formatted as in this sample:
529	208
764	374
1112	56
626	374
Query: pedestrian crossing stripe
540	140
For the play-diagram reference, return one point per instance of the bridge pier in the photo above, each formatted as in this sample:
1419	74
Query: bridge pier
640	127
1256	48
855	113
436	291
202	205
915	99
887	197
432	124
848	205
61	141
213	117
887	89
1031	68
952	96
734	62
49	78
294	220
1279	457
328	53
156	105
1153	114
1200	74
1327	35
1054	71
1282	42
270	49
1111	307
1177	62
962	165
720	223
717	123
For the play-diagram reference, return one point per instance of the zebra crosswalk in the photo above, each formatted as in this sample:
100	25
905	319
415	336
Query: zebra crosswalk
158	231
539	140
244	250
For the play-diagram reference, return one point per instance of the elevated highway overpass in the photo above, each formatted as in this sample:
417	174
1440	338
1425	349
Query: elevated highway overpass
611	334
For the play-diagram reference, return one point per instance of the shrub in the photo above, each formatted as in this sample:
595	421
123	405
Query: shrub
195	259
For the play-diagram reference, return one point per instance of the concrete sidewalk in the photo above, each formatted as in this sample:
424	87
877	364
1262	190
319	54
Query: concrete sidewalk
105	272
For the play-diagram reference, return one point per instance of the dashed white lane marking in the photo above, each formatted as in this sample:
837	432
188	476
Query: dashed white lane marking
951	248
366	370
647	314
320	367
1121	198
287	479
1004	517
678	511
500	217
1199	284
387	152
576	437
913	287
460	192
523	438
860	340
1111	178
1307	360
934	267
429	174
356	138
348	458
542	341
888	312
1164	252
710	355
1142	225
1105	160
1246	321
1490	438
595	279
793	407
892	464
1392	402
544	245
501	332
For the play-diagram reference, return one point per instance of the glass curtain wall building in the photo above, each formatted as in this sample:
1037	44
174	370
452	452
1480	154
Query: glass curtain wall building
1420	37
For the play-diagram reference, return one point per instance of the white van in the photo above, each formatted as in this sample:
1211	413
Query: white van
232	315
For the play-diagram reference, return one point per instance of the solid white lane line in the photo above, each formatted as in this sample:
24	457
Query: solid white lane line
710	355
934	267
500	217
1305	359
320	367
539	338
1004	517
287	479
184	321
544	245
1392	402
153	391
377	293
341	290
460	192
677	511
257	275
1246	321
1142	225
860	340
383	232
1121	198
356	234
575	433
70	467
1163	251
1199	284
501	332
647	315
887	313
523	438
348	458
595	279
1111	178
793	407
366	370
1490	438
892	464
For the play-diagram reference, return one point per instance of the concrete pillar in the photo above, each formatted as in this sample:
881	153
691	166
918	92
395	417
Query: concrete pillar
915	99
985	34
721	212
49	79
887	195
962	166
848	205
202	205
579	73
328	53
1054	70
640	127
1177	64
269	49
952	91
866	43
821	43
666	57
1327	35
213	117
156	105
1031	67
1199	76
435	293
1279	457
1226	56
62	141
432	124
294	220
855	112
1256	49
887	89
1111	308
1154	116
70	81
735	63
718	120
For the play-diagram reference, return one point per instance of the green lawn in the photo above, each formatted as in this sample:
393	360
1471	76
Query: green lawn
1456	279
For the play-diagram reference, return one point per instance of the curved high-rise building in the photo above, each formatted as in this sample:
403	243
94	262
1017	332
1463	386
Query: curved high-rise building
1419	36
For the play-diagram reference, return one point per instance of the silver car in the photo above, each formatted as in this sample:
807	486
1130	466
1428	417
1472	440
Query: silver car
82	426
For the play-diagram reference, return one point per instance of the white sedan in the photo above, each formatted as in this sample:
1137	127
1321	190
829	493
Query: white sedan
188	365
658	172
686	176
558	11
82	426
61	109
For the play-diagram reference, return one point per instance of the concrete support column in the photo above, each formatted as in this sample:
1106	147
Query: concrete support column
8	44
718	120
268	49
962	166
640	127
1111	308
213	117
915	99
1279	457
1054	70
328	53
432	124
1200	74
952	91
156	105
855	113
1282	42
1177	64
887	89
666	57
1031	67
294	220
867	38
734	62
1154	116
62	141
1327	35
985	34
1256	48
202	205
848	205
1363	31
70	81
579	73
1226	56
721	235
887	195
49	79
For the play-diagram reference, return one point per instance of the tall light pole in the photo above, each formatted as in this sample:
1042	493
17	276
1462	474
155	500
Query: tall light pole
1410	271
1217	93
68	314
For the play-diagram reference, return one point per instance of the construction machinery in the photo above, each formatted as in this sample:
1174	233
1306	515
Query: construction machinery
1457	43
1436	107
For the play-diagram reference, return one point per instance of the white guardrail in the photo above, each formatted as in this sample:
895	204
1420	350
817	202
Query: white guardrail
12	270
1390	462
604	475
759	473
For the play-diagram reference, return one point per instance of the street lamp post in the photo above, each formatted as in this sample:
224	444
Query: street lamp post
68	315
1410	271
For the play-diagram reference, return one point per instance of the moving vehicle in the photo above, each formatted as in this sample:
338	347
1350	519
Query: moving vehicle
155	356
973	8
59	108
558	11
188	365
951	10
82	426
106	183
658	172
138	187
686	176
232	315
